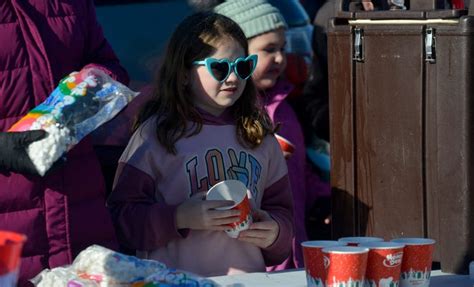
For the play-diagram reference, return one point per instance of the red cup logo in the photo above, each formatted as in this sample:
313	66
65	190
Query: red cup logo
326	262
393	260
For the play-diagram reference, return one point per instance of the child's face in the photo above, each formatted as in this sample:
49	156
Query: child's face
209	94
271	57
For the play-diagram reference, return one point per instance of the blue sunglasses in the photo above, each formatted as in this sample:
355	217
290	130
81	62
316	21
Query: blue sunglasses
221	69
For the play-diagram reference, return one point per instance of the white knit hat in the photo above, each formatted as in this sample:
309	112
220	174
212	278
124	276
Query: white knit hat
255	17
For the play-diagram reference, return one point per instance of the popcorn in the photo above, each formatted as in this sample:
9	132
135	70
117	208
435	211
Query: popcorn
97	266
45	152
80	103
105	265
61	277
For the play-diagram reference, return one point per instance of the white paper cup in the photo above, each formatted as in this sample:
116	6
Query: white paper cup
384	263
286	146
236	191
345	266
314	260
417	260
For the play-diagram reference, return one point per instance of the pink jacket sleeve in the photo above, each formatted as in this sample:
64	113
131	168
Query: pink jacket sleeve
140	221
98	52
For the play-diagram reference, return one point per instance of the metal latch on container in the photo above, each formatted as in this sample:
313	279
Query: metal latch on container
358	49
430	45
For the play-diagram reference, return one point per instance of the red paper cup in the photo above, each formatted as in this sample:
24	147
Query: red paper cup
383	264
11	244
236	191
417	259
345	266
356	240
314	260
286	146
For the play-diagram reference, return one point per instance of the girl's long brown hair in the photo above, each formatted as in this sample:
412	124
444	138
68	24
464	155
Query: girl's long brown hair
195	39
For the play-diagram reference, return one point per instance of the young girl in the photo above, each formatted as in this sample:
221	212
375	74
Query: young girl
264	28
202	127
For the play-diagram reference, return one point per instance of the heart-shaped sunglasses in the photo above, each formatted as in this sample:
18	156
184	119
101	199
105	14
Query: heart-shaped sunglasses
220	69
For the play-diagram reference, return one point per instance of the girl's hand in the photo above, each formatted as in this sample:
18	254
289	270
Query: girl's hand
263	232
198	213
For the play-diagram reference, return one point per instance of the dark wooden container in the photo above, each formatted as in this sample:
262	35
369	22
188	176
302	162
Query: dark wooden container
402	127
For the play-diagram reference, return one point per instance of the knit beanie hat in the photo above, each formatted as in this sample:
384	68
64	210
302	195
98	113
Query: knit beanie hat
255	17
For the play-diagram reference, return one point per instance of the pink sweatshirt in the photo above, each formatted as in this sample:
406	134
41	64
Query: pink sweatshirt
150	183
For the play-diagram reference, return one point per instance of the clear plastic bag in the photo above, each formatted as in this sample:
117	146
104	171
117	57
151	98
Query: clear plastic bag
97	266
173	277
112	268
80	103
61	277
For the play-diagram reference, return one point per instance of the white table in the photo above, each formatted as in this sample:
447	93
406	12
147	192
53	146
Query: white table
297	278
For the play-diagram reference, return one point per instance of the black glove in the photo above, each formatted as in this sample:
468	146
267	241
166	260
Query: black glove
13	153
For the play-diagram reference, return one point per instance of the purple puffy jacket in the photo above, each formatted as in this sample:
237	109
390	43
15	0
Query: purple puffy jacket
64	212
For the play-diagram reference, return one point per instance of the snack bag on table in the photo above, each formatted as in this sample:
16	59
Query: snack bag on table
97	266
80	103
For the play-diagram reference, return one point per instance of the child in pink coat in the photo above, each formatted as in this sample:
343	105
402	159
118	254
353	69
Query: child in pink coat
264	27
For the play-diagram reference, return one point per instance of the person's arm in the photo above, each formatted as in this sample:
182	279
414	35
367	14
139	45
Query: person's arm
98	52
278	202
13	151
140	221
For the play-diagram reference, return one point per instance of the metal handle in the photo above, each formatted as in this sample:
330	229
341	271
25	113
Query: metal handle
430	45
358	55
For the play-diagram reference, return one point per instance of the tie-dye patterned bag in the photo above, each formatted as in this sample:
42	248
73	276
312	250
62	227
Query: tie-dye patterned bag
80	103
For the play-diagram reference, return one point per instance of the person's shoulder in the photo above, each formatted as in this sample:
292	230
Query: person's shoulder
270	143
148	127
276	167
145	134
144	143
